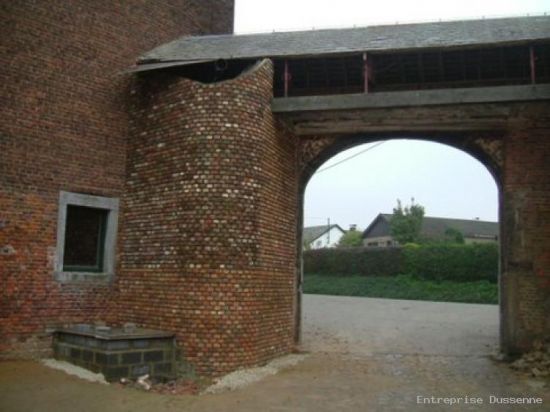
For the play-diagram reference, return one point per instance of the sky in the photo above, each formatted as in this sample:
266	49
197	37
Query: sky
446	181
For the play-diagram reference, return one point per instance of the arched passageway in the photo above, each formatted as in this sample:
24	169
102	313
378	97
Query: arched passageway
317	151
357	185
230	188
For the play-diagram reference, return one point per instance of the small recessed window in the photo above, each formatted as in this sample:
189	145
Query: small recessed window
86	237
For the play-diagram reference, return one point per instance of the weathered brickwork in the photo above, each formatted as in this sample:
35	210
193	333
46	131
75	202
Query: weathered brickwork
63	126
211	184
208	240
518	160
525	286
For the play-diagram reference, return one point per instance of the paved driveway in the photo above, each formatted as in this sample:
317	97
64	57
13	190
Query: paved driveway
366	355
378	326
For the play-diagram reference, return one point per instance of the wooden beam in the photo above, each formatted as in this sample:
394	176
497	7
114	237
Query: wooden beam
449	118
412	98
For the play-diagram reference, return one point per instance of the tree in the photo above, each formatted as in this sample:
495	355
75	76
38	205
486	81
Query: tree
453	235
406	222
352	238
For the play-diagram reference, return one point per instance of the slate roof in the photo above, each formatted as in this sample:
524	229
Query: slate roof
311	233
435	227
372	38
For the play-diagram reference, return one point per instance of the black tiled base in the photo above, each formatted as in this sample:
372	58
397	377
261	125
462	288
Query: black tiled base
120	358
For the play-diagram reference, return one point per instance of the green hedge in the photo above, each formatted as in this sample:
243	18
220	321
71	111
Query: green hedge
354	261
441	261
452	262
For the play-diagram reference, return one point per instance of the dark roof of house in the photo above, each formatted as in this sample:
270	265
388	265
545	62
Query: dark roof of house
312	233
435	227
372	38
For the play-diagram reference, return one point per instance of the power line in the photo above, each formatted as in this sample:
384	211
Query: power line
351	157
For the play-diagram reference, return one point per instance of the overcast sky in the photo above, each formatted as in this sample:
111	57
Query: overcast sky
446	181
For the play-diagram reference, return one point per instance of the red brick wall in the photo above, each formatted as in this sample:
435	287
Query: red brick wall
518	159
63	126
209	226
525	286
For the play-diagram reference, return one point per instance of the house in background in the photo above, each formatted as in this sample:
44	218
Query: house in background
377	234
317	237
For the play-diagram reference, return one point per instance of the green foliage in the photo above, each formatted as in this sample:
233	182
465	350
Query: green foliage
449	261
350	261
352	238
439	261
454	236
402	287
406	222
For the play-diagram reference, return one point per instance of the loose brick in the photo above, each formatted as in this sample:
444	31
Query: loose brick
140	370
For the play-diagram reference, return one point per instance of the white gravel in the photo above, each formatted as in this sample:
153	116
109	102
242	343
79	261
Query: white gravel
245	377
74	370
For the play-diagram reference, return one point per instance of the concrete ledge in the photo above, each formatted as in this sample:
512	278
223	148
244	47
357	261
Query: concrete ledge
411	98
118	358
84	277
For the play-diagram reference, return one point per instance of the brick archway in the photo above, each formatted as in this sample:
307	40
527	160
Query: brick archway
315	151
224	165
514	154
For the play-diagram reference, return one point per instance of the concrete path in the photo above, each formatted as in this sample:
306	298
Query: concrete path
366	355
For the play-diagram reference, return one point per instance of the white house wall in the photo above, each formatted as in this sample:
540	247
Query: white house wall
329	239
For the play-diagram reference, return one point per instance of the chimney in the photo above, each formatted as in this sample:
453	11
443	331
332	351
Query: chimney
352	227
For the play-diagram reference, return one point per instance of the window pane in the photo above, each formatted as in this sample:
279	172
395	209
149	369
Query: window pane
84	238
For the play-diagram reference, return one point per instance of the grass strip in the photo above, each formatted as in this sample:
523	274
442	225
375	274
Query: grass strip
402	287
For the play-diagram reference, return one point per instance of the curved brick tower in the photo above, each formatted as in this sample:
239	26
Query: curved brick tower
208	240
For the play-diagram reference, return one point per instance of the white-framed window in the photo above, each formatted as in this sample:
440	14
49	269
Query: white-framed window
86	237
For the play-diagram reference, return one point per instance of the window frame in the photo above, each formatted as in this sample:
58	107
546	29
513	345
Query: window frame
100	246
72	274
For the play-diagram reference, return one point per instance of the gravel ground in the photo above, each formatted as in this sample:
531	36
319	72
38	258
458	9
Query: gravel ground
371	326
365	355
241	378
74	370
